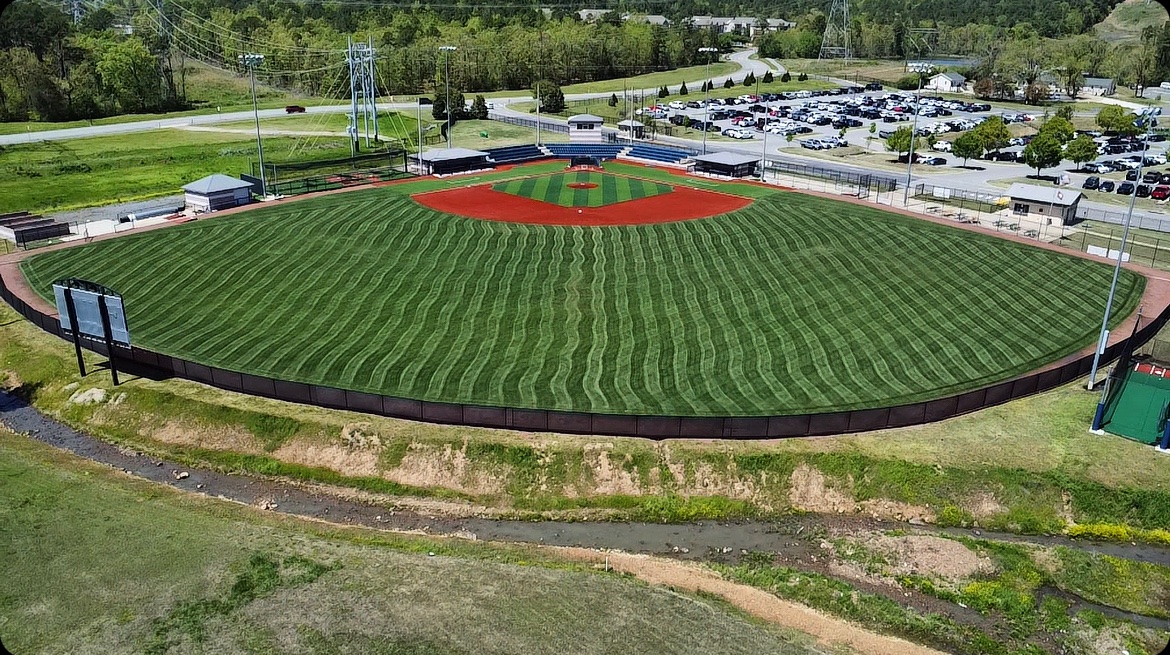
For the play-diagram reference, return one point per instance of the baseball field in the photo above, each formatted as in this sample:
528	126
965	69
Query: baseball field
793	304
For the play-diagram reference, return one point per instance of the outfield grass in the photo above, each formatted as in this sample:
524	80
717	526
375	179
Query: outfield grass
795	304
608	189
58	175
99	562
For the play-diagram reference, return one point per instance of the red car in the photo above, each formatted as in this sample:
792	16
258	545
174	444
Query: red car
294	109
1160	193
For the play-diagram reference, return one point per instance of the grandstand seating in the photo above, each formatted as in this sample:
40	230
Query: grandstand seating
515	154
658	153
599	150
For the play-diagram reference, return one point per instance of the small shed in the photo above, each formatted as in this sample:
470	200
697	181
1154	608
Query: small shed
947	82
585	128
215	192
728	164
446	161
1099	86
633	128
1044	203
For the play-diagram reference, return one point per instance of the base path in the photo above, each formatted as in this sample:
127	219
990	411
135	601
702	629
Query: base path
684	203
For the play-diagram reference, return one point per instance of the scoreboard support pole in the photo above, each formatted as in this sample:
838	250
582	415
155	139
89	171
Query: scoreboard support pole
76	331
109	339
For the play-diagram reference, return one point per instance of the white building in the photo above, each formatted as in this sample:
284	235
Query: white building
1054	205
947	83
1098	86
216	191
585	128
749	25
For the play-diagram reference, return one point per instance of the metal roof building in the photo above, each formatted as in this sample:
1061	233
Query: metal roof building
729	164
1048	202
216	191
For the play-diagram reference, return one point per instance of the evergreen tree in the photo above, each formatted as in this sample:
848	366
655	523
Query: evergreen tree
613	100
479	110
682	90
729	84
786	77
767	79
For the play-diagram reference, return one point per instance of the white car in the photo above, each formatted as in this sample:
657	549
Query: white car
678	104
942	146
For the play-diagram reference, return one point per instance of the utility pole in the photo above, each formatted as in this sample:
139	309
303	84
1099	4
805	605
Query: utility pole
252	61
1148	115
921	68
707	97
447	50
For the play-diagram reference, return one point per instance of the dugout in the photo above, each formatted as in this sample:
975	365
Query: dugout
447	161
727	164
216	191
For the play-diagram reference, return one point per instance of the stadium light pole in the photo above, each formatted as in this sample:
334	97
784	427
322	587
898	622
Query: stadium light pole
447	50
1148	115
252	61
707	98
921	68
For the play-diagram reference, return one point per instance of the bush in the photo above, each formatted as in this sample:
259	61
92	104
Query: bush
613	100
803	77
908	82
729	84
786	77
749	79
767	79
663	92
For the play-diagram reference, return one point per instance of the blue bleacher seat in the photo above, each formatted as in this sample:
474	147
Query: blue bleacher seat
513	154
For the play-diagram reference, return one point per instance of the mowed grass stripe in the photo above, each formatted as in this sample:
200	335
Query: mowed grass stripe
794	304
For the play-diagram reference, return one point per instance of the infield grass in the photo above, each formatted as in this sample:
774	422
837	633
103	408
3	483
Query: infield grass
792	305
592	190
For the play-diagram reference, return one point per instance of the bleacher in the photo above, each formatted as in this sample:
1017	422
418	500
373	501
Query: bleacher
658	153
599	150
23	228
515	154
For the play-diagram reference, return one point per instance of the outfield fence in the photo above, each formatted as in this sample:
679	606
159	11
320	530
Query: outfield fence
141	361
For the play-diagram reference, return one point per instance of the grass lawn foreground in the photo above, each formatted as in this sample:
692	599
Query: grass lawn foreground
94	561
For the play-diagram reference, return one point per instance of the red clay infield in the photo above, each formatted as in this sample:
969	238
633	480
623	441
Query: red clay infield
481	201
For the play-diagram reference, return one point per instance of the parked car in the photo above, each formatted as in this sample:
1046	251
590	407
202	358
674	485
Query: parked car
1160	193
1097	167
1125	188
1165	179
1091	182
932	161
1131	175
1143	191
942	146
1151	177
1106	186
294	109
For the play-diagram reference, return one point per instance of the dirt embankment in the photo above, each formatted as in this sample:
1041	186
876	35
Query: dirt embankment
757	602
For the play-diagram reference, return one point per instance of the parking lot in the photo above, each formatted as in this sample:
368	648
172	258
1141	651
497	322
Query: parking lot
815	119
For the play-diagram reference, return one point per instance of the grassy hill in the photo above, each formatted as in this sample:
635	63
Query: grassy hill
1128	19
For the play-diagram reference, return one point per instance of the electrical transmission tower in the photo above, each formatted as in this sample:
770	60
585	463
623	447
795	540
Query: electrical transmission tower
835	43
364	92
